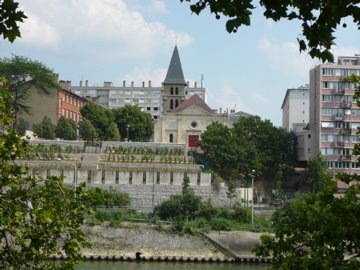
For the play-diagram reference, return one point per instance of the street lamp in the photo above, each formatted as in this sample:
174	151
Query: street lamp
252	197
127	132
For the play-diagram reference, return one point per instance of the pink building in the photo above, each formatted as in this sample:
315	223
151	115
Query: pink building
334	115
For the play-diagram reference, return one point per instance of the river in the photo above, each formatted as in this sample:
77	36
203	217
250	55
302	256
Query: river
108	265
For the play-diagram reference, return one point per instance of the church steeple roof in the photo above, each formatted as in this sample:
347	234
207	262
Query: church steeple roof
175	73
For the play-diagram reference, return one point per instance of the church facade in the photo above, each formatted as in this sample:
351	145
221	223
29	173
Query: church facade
183	120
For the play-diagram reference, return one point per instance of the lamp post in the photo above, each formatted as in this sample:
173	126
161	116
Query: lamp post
252	197
127	132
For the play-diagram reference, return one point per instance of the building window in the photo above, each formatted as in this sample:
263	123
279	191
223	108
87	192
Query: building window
117	177
171	104
176	103
157	178
148	108
130	178
193	124
156	108
171	137
103	177
176	91
172	91
144	178
171	178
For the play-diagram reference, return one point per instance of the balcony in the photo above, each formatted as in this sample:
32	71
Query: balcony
345	157
346	131
346	105
339	144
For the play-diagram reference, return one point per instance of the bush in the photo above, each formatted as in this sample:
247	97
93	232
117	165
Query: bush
109	197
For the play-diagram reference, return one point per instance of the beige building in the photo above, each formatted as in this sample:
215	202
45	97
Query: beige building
334	115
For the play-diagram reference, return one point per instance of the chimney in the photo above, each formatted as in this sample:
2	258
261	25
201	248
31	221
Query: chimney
86	83
220	110
187	84
149	83
124	83
195	84
143	84
80	83
132	84
65	84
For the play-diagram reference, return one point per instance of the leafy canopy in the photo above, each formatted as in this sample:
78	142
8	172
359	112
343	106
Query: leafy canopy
39	217
10	17
319	19
320	230
66	129
131	120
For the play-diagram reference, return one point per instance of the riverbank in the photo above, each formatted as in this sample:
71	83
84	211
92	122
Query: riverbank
148	240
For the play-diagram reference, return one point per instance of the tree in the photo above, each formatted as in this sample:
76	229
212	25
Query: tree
319	19
112	132
10	16
224	153
133	122
24	75
87	131
66	129
275	146
317	175
39	217
45	129
100	118
318	231
21	126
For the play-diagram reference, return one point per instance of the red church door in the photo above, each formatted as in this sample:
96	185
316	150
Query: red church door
193	141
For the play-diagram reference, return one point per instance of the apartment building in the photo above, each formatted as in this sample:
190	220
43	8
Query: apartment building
149	98
59	102
295	108
334	115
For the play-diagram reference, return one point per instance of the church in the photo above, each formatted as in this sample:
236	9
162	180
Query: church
183	120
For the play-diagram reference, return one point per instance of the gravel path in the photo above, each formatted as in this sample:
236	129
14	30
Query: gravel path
147	240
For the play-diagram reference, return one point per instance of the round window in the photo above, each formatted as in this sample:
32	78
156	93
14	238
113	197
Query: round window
193	124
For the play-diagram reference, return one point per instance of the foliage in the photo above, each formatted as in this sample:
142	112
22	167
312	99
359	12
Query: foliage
113	132
38	217
226	153
101	119
317	175
252	144
21	126
25	76
275	146
321	229
318	231
131	120
66	129
87	131
278	192
319	19
10	16
110	197
45	129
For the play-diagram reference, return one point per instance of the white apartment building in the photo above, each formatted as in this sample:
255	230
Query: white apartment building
146	96
334	115
295	108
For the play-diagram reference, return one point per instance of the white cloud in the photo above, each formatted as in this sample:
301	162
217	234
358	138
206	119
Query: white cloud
157	6
286	58
87	25
344	51
139	74
37	31
228	98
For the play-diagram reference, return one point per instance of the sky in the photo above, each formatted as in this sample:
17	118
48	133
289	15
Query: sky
133	40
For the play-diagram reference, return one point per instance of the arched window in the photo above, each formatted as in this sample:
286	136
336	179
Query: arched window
171	137
171	90
176	91
171	104
176	103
